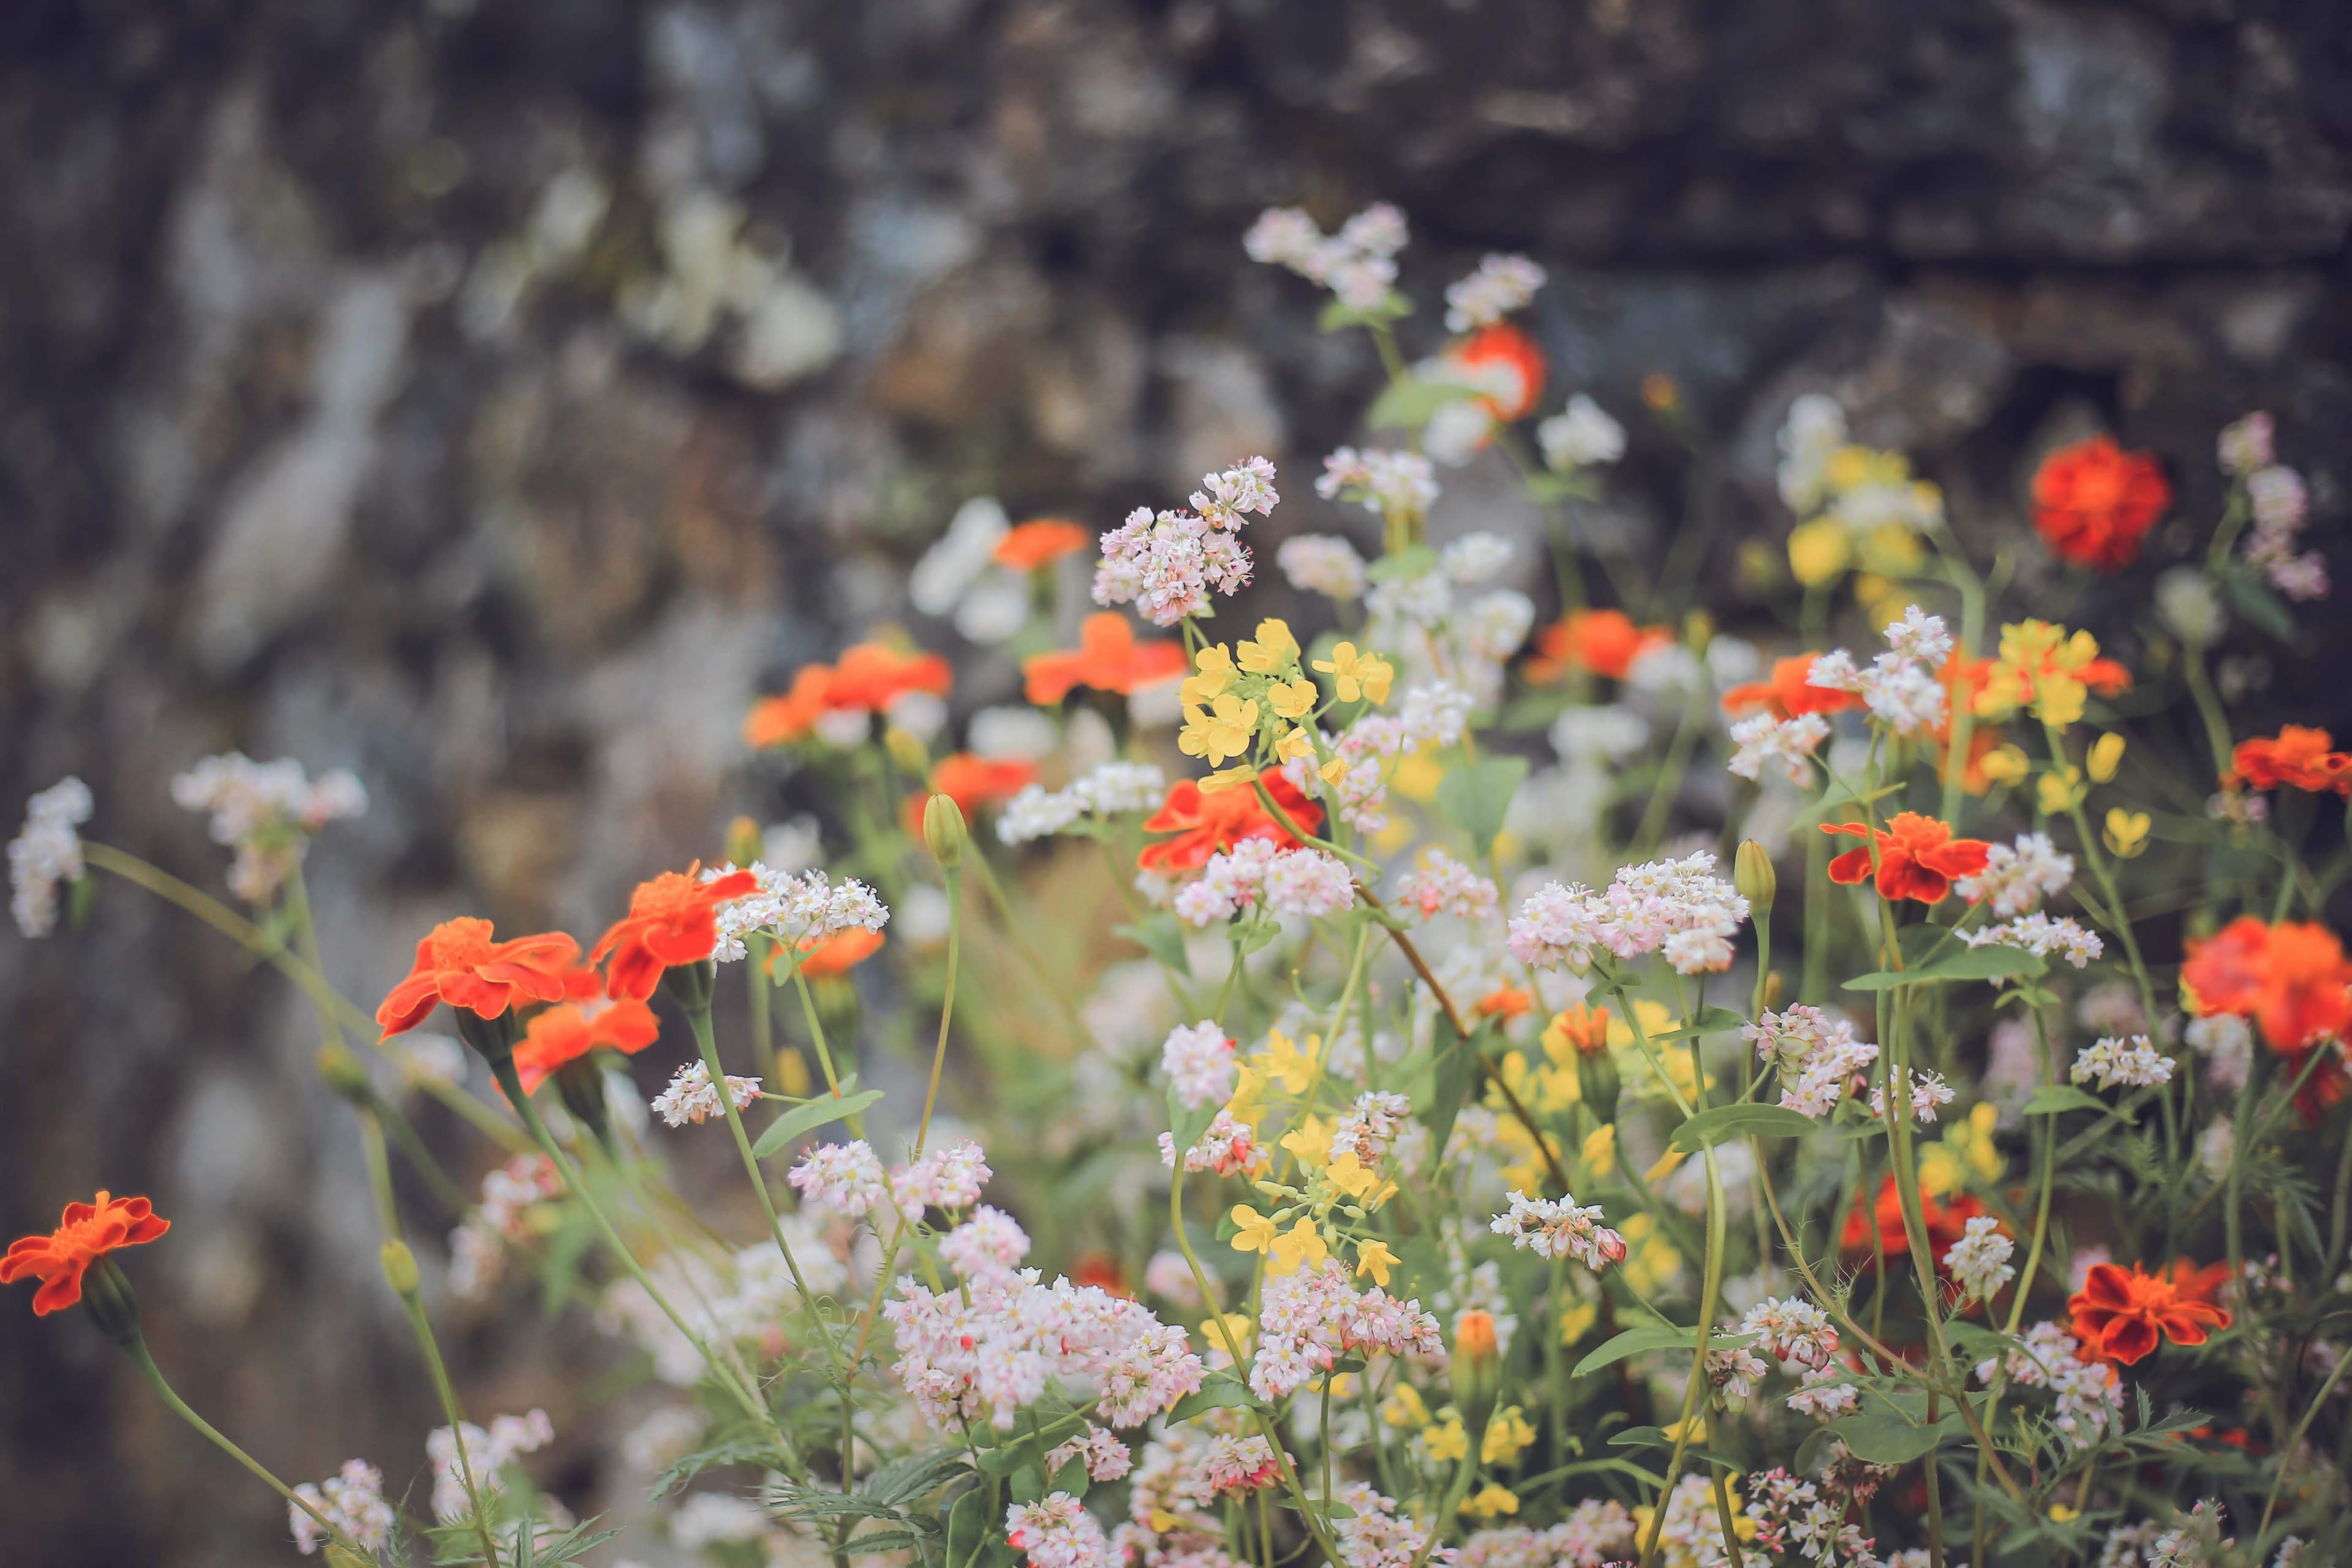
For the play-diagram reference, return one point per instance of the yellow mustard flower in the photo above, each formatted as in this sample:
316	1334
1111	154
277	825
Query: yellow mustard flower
1292	699
1229	778
1300	1246
1310	1142
2126	833
1819	551
2005	764
1650	1261
1447	1442
1253	1232
1404	1407
1223	730
2043	668
1599	1151
1212	676
1296	745
1358	675
1373	1258
2059	789
1493	1499
1416	777
1285	1063
1274	649
2106	755
1576	1321
1506	1434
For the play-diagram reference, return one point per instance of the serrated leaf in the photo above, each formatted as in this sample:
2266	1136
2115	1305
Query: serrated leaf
1409	402
803	1119
1476	797
1162	936
1726	1122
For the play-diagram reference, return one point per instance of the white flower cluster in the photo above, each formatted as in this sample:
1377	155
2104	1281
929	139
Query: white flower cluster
1166	563
1583	437
1979	1259
1793	1330
509	1193
2090	1394
352	1500
486	1453
1370	1125
1323	563
1307	883
1056	1532
1825	1394
1308	1319
1813	433
1444	885
2017	878
1108	790
1501	285
991	1348
1809	1520
2109	1060
1902	686
1432	716
945	1178
2227	1043
2280	507
1815	1056
1198	1061
2045	936
844	1177
49	851
1378	1536
1679	907
1106	1458
1924	1089
1734	1372
262	810
988	1247
1597	1530
1391	483
740	1298
1788	745
1228	1147
1560	1229
1357	264
692	1097
798	910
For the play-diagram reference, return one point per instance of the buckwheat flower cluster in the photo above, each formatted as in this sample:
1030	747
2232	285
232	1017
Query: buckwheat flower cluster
1815	1056
988	1246
1796	1517
1582	437
1901	686
2227	1043
1690	1533
2090	1394
1382	480
478	1246
1378	1537
1501	285
1323	563
1235	1464
1308	1319
692	1097
1825	1394
800	910
1678	908
1111	789
486	1453
1475	557
1357	264
2246	445
990	1351
1444	885
2110	1061
1979	1259
47	852
1303	882
1923	1088
1560	1229
1106	1458
1791	1330
2280	507
1165	564
1198	1061
2045	936
1169	1496
263	810
352	1501
1228	1147
1735	1374
2017	878
947	1178
1596	1531
843	1177
1787	745
1370	1125
1056	1532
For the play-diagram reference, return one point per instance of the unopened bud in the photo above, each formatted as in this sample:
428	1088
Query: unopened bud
113	1305
745	842
908	753
582	1084
944	831
344	1074
1478	1372
690	984
399	1267
1752	874
493	1039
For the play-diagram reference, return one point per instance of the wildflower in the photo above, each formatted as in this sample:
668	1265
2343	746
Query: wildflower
2016	878
2089	1393
460	962
2280	507
2043	667
1504	371
691	1096
989	1245
1979	1259
1925	1089
1790	694
1030	545
1110	790
49	851
1377	1536
672	921
1105	1457
1357	677
1391	483
1918	858
1165	564
2121	1316
1900	687
1205	823
945	1178
1785	744
1815	1056
801	910
568	1031
1373	1258
1310	1317
85	1234
2227	1043
2296	758
2094	502
1357	264
1603	642
818	958
1501	285
1237	1465
1947	1222
1582	437
988	1351
1228	1146
2112	1061
487	1452
1675	907
1198	1061
844	1177
2045	936
1227	727
2246	445
2291	979
263	811
1561	1229
868	679
1107	658
1793	1330
973	783
1322	563
352	1500
1444	885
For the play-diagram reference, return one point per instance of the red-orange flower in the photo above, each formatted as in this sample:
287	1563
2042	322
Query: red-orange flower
1032	544
1581	1026
2121	1316
568	1032
2291	978
1505	365
1102	1271
869	677
1948	1221
840	953
1790	692
972	781
1605	642
2296	757
1918	858
1107	658
461	962
1205	824
87	1233
2094	502
1508	1002
672	919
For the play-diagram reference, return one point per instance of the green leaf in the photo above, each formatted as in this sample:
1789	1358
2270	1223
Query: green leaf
1161	936
1634	1341
1726	1122
1337	314
1449	1082
1414	560
806	1119
2057	1099
1884	1437
1255	936
1710	1021
968	1522
1969	963
1575	485
1410	403
2251	597
1475	797
1216	1394
1188	1122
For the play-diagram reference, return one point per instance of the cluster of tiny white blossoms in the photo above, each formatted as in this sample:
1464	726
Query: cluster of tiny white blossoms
263	810
1235	1464
1815	1056
1560	1229
799	909
1303	882
1676	907
1357	264
352	1500
2045	936
478	1246
691	1096
486	1453
1106	1458
1583	436
2227	1043
1762	741
2281	506
1165	564
1924	1087
844	1177
1379	1537
1444	885
1501	285
1370	1125
991	1348
986	1248
1444	636
1056	1532
1384	481
1597	1530
1979	1259
1228	1147
1826	1394
1308	1319
47	852
1433	716
2017	878
1198	1061
1805	1520
1901	686
945	1178
2090	1394
2110	1061
1109	790
1791	1330
1323	563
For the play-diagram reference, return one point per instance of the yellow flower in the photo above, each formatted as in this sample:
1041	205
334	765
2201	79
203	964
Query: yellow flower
1215	673
1404	1407
1249	1087
1373	1258
1296	745
1223	730
1300	1247
1971	1139
2040	663
1576	1321
1892	550
1292	699
2106	755
1310	1142
2058	790
1347	1175
1941	1171
1506	1433
2126	833
2059	1513
1650	1259
2005	764
1230	778
1285	1064
1253	1232
1492	1499
1273	649
1697	1427
1819	551
1229	1333
1358	675
1599	1151
1416	777
1664	1166
1448	1444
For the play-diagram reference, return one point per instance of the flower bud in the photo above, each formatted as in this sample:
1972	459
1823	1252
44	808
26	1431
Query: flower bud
690	984
944	831
908	753
399	1267
1478	1372
344	1074
493	1039
1598	1082
113	1305
745	843
582	1084
1752	874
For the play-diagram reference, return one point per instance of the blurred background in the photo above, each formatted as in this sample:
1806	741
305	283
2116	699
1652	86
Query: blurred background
491	396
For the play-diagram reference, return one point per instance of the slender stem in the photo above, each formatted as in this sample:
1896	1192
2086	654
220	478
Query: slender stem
759	948
856	1120
448	1394
1709	1291
2287	1453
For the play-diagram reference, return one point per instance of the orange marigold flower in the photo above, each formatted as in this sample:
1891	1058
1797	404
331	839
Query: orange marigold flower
1948	1221
1206	823
869	677
568	1032
839	953
1505	363
2296	757
2094	502
461	962
1790	692
1107	658
972	781
1605	642
1581	1028
85	1233
780	720
672	919
1032	544
2120	1316
1918	858
2291	978
1508	1002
